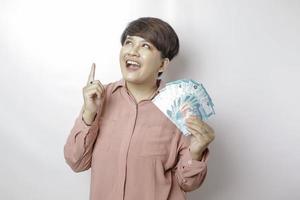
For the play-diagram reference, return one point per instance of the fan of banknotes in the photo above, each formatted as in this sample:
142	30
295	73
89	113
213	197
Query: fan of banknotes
182	98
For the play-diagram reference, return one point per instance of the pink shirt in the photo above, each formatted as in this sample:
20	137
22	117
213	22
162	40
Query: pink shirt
134	151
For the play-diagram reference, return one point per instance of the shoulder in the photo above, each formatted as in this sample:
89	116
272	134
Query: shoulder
111	86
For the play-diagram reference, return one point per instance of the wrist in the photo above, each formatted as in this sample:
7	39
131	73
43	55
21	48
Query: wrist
88	117
197	155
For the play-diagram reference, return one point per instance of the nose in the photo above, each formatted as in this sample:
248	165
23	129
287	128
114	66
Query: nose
133	51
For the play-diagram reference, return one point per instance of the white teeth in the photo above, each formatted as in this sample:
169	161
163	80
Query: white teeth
132	62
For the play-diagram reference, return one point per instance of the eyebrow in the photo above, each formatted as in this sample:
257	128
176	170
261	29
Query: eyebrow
130	37
151	45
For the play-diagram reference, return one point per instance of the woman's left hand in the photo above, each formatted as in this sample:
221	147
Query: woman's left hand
201	135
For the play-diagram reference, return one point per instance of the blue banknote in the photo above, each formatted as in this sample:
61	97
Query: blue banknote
182	98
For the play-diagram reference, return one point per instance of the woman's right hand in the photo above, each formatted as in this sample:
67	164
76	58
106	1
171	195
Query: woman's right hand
93	94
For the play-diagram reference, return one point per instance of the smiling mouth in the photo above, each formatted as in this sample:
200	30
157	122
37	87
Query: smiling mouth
130	64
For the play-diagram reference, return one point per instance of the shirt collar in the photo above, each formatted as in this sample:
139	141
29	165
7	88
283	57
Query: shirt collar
121	83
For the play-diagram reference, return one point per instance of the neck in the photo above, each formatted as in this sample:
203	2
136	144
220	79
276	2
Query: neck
141	91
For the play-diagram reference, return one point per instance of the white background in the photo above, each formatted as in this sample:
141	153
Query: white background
245	52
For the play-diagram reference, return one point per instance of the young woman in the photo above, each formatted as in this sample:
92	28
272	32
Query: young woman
134	151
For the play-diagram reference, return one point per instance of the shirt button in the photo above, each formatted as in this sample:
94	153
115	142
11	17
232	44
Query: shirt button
189	162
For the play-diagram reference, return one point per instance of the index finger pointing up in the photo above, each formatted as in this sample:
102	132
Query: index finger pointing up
92	74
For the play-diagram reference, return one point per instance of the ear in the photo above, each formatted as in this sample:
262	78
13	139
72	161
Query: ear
164	64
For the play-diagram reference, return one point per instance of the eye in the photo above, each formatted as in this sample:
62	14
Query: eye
146	46
127	42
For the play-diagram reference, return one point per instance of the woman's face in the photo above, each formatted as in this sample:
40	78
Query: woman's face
140	61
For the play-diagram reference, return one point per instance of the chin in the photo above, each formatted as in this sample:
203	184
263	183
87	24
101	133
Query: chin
130	77
132	80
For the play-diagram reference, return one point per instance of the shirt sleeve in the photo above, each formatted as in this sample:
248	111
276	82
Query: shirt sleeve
190	173
79	145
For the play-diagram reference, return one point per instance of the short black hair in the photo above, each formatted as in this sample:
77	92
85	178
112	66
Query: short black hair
156	31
